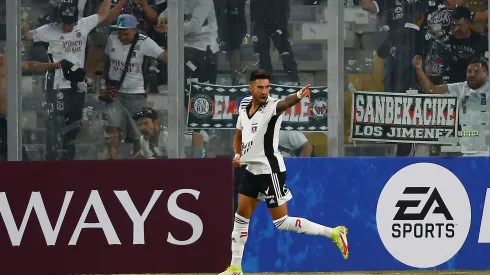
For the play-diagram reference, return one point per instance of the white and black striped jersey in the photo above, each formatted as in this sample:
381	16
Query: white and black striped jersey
260	137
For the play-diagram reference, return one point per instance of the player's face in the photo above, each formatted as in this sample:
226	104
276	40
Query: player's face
260	89
148	127
126	36
68	27
460	27
476	75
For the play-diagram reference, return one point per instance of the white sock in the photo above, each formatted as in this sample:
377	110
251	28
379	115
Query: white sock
239	237
302	226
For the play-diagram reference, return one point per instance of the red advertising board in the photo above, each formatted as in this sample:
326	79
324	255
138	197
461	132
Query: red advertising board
110	217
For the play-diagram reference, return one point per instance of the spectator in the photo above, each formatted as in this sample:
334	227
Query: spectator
393	11
200	47
294	144
154	139
27	66
465	45
437	32
400	47
232	30
200	39
474	99
145	14
270	22
66	88
125	52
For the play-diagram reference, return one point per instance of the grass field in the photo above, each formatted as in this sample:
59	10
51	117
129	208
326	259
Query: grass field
358	273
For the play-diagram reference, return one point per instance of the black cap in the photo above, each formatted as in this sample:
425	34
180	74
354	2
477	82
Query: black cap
71	72
462	13
68	14
146	112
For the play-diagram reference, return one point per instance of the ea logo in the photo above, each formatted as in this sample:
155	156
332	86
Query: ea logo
423	215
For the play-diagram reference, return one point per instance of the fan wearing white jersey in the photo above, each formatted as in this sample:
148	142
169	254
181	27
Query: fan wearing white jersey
474	100
294	144
256	144
131	96
66	87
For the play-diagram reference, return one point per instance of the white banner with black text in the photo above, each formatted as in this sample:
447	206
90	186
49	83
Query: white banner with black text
403	118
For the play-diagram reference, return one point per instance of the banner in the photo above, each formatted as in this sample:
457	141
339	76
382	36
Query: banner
115	217
403	118
215	107
401	214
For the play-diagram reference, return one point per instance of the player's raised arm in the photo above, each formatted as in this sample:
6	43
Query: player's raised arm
292	99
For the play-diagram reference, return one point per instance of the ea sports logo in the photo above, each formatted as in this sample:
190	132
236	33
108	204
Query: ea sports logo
423	215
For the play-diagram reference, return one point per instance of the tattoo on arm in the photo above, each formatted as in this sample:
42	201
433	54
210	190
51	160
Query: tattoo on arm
287	103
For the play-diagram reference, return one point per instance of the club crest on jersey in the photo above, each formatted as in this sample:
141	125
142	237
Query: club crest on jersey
319	108
254	129
201	105
78	34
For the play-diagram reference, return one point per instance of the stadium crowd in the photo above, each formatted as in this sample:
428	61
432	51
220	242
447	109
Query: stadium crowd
105	99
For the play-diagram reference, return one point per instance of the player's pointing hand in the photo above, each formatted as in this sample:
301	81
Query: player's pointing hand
304	92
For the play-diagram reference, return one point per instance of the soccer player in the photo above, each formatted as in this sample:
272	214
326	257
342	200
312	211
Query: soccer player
256	144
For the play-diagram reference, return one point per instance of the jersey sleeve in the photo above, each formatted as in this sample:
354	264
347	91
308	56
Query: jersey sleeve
41	34
239	125
87	24
296	139
456	88
273	106
150	48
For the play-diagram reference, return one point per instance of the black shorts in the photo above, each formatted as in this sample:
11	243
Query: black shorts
270	188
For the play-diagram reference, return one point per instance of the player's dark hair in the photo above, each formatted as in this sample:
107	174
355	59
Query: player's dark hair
480	61
259	74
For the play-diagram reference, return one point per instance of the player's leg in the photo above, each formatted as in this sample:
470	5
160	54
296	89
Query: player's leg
247	202
277	195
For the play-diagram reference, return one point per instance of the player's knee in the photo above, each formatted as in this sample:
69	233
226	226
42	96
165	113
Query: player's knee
291	224
282	223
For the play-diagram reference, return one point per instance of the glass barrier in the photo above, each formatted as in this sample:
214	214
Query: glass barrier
284	38
65	121
386	36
